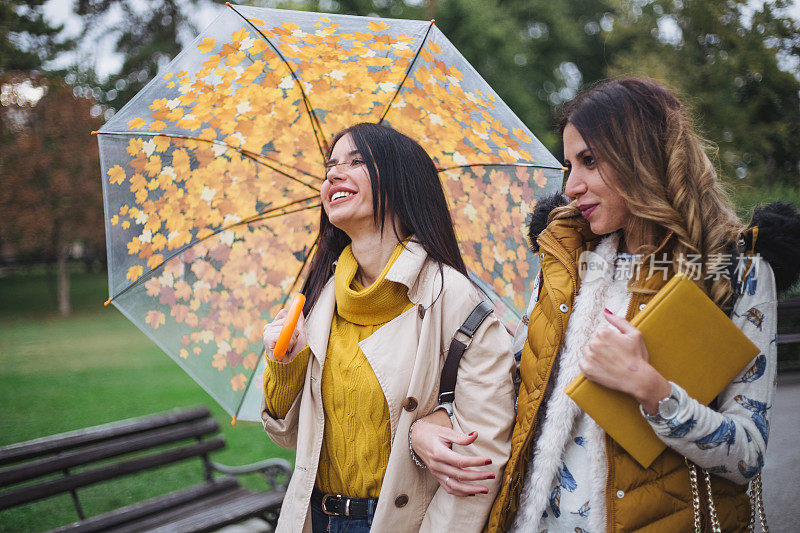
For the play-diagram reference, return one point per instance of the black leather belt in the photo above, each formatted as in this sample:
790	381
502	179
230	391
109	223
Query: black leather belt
338	505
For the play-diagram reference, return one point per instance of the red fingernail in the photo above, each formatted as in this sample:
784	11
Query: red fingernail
485	491
471	434
488	462
491	476
607	311
472	495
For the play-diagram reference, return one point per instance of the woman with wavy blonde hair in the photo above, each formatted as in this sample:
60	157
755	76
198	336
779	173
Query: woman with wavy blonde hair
643	195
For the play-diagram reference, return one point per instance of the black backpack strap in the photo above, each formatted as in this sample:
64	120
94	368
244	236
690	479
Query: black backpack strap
447	383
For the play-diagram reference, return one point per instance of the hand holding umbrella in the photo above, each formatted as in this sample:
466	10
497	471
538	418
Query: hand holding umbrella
285	336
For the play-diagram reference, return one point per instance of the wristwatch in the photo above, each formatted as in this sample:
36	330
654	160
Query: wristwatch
667	407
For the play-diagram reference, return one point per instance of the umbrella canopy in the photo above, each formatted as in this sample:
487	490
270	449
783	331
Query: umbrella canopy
211	175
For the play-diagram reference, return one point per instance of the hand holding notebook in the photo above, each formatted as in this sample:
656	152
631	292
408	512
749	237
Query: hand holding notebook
691	342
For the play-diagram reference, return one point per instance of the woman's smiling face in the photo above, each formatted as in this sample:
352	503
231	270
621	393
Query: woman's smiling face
346	193
600	205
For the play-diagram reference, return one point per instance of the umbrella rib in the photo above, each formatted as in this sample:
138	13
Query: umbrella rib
312	116
247	153
526	165
408	72
269	214
255	218
258	159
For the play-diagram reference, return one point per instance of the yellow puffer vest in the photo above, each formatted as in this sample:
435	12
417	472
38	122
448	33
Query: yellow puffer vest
654	499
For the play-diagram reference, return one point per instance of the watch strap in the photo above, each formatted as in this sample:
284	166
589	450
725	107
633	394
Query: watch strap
658	418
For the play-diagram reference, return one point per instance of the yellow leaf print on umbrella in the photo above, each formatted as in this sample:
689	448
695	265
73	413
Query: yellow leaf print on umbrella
211	175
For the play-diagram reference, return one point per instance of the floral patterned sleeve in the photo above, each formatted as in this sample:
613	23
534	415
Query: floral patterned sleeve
731	441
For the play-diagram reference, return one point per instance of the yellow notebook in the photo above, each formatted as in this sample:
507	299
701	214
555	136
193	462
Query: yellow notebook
691	342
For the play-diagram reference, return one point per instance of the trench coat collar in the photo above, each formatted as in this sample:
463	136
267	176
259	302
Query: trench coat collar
407	269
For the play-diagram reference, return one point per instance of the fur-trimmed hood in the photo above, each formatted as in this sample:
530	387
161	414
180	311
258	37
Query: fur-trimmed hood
778	240
777	237
537	220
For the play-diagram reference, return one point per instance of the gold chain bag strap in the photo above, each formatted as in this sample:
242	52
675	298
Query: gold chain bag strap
756	501
755	489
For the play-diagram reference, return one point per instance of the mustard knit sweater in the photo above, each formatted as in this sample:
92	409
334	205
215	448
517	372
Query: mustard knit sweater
357	433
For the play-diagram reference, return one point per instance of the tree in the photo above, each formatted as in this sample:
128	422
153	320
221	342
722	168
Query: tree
148	35
727	63
27	40
50	197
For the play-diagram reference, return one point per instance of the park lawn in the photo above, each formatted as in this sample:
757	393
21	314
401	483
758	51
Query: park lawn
60	374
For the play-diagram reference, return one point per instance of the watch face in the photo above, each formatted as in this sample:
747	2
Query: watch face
667	409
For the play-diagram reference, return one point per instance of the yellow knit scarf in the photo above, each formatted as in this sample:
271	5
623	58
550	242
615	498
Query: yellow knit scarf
378	303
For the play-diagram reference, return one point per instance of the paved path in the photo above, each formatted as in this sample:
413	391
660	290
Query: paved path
781	472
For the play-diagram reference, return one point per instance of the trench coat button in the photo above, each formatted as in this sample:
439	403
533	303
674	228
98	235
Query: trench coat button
620	494
642	306
401	501
410	404
536	394
541	255
563	308
421	311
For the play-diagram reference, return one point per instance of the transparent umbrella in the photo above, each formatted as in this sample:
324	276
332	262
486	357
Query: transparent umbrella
211	175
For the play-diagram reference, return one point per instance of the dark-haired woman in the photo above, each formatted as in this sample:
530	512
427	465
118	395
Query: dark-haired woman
387	290
646	200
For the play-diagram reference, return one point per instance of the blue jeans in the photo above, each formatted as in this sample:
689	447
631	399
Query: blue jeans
323	523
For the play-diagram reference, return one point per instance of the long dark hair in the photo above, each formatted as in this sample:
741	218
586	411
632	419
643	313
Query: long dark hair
405	184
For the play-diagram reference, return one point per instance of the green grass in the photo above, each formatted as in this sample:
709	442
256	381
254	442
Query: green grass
28	294
60	374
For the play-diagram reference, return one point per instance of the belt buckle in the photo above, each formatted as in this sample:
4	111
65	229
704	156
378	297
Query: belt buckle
331	513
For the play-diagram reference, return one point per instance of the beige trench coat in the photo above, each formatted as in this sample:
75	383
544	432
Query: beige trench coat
407	355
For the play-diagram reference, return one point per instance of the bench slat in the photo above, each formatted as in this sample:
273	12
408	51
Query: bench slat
97	452
113	448
789	304
73	439
88	477
788	338
150	507
210	514
207	519
211	502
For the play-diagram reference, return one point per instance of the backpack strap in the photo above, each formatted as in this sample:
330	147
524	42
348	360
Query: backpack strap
447	383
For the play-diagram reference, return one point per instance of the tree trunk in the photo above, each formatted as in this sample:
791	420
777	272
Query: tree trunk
63	281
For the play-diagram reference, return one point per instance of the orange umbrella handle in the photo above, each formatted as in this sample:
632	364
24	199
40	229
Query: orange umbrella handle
292	317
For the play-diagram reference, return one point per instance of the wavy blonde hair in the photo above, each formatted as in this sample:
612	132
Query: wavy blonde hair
662	169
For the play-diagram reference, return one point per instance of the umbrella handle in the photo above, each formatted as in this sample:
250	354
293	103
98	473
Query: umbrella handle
285	336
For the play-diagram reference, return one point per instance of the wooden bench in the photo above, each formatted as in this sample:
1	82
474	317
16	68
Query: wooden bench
41	468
